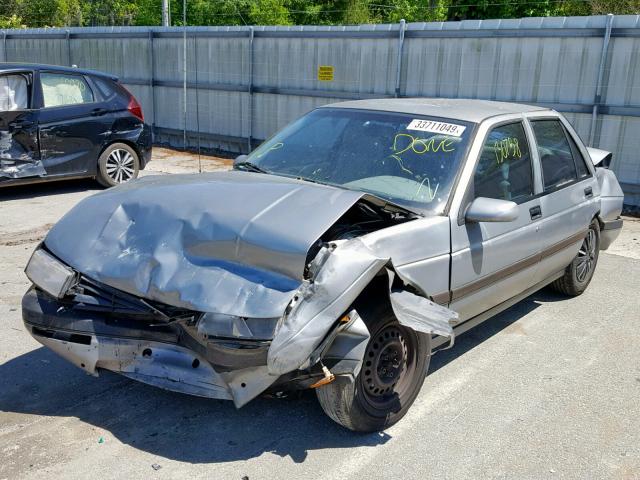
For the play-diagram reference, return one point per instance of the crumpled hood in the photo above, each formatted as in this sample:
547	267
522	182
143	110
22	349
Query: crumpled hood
228	242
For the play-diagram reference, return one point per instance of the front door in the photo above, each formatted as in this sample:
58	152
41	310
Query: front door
492	262
74	124
19	152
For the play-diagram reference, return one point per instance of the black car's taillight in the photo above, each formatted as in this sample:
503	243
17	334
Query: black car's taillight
135	108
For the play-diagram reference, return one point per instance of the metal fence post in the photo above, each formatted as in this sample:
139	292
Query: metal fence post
598	96
195	67
68	48
184	72
399	60
250	91
151	86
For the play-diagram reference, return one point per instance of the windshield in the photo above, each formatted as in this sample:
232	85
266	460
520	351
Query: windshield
407	159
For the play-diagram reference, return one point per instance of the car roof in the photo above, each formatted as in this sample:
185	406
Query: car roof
454	108
57	68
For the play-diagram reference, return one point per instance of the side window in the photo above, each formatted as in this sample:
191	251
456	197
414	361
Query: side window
14	92
581	166
107	87
504	170
558	167
63	89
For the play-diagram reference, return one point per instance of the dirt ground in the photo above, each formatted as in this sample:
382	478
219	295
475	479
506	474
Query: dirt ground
548	389
166	160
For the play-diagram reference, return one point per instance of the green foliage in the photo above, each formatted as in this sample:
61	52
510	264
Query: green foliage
61	13
483	9
11	21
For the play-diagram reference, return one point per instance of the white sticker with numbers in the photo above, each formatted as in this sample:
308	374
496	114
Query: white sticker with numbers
436	127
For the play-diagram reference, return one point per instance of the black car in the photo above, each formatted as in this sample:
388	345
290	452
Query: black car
62	122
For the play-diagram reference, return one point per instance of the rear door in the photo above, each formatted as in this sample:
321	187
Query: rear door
74	123
492	262
568	200
19	151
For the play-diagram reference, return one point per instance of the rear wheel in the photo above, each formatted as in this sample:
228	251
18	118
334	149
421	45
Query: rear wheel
578	274
118	164
393	371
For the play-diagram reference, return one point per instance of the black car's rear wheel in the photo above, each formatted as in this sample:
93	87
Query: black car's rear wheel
578	274
393	371
118	164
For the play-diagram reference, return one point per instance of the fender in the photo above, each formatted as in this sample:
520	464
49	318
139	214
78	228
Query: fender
340	272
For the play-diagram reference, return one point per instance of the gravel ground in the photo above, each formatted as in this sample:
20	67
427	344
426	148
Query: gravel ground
548	389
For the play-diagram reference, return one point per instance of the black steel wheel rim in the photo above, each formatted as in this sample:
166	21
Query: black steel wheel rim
388	367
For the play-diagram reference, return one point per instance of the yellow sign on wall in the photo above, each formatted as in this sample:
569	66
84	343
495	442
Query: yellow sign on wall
325	73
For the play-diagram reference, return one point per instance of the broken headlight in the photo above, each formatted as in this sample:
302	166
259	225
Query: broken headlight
229	326
49	273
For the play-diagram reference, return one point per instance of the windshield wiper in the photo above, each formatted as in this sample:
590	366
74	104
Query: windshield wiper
249	167
311	180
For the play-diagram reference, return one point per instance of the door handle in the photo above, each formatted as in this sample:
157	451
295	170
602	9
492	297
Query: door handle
535	212
588	192
21	124
98	111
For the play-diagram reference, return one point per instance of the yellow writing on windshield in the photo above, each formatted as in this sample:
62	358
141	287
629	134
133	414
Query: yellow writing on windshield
275	146
430	193
506	149
404	142
421	145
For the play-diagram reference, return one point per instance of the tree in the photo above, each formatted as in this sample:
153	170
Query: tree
62	13
11	21
269	12
620	7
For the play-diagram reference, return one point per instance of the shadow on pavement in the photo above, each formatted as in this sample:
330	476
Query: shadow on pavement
19	192
198	430
475	336
166	424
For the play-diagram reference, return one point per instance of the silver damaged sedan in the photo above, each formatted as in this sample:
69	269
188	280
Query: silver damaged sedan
338	256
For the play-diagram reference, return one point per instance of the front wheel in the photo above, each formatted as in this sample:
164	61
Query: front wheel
578	274
393	370
118	164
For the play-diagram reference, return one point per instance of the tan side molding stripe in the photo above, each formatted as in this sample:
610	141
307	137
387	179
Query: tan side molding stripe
513	268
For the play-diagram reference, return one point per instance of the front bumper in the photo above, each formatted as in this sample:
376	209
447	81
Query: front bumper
163	365
163	356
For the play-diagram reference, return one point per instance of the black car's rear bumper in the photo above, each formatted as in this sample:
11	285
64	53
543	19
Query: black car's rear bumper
144	143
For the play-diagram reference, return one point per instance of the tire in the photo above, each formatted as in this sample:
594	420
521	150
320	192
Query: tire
118	164
578	274
374	402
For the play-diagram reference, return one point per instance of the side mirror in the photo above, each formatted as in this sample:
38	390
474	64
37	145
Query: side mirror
239	159
484	209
